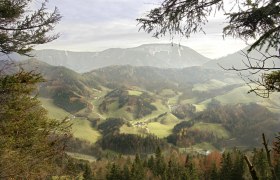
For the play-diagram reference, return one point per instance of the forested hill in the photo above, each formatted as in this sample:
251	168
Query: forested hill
152	78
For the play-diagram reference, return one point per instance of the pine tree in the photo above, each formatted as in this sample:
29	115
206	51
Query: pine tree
137	170
214	173
21	28
261	164
238	169
226	167
30	141
114	173
160	165
190	170
126	173
88	175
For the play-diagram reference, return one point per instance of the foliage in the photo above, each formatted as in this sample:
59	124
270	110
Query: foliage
131	143
139	106
229	165
30	142
32	145
68	100
21	28
184	111
111	125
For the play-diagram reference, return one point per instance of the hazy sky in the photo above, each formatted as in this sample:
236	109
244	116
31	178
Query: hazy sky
95	25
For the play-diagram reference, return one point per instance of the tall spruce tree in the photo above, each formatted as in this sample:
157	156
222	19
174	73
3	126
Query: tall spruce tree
30	142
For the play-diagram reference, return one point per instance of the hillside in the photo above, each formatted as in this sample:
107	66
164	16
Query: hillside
155	55
65	87
152	78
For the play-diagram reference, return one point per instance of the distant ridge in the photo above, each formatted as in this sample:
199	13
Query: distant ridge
154	55
237	59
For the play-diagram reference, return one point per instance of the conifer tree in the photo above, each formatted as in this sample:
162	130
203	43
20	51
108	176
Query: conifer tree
114	173
21	28
137	170
30	142
226	167
160	165
261	164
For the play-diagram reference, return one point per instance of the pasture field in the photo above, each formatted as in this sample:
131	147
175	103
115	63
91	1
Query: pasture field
81	128
134	93
159	129
53	111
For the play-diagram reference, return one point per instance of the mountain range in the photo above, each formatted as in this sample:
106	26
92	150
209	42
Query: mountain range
155	55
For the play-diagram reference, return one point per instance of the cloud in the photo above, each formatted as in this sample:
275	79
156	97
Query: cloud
95	25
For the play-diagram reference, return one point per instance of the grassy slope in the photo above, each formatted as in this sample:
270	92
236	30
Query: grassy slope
134	93
82	129
130	130
159	129
53	111
168	119
240	95
212	84
216	129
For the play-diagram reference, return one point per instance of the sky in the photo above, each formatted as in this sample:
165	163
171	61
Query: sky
96	25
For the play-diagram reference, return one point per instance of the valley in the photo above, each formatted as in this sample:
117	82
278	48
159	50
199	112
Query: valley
158	106
195	109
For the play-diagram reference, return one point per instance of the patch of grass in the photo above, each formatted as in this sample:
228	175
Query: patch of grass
210	85
134	93
167	93
115	112
174	99
168	119
160	130
200	107
53	111
189	101
160	110
130	130
82	129
216	129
